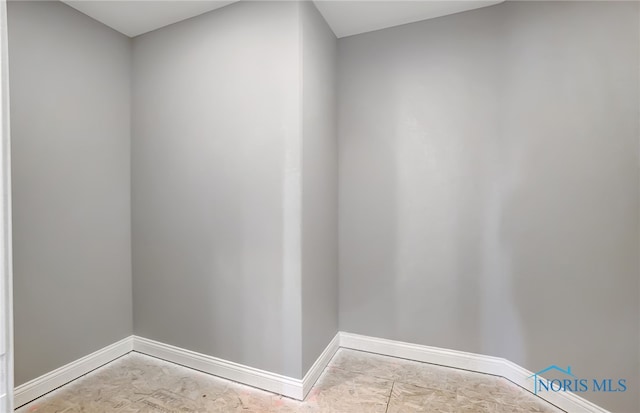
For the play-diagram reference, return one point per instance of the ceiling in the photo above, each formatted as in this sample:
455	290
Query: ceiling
135	17
346	18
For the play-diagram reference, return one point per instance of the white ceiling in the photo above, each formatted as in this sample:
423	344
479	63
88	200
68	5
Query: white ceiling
346	18
135	17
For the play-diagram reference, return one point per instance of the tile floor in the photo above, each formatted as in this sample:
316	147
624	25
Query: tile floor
353	382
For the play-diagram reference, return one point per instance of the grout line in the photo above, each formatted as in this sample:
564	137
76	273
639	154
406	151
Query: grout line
454	368
393	383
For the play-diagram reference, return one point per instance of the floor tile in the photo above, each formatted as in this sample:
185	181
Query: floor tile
407	398
345	391
354	382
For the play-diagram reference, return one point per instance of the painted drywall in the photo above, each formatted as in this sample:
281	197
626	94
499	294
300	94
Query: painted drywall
489	186
6	273
216	205
70	131
319	185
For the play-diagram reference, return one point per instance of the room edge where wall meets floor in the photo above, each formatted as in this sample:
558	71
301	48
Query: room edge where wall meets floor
291	387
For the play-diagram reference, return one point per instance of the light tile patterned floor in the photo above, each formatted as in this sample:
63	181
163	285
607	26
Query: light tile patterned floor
353	382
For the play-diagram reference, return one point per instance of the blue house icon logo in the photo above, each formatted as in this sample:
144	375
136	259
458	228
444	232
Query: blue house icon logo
539	383
570	383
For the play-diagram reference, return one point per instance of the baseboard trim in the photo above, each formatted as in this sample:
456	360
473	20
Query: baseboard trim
265	380
291	387
497	366
426	354
261	379
318	367
42	385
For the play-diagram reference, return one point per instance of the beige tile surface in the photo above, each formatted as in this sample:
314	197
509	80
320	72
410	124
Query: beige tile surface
353	382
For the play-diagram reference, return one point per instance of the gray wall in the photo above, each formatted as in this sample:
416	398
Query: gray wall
71	183
489	186
216	185
319	186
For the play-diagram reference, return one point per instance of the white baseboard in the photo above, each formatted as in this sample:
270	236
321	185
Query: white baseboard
275	383
39	386
426	354
290	387
318	367
469	361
